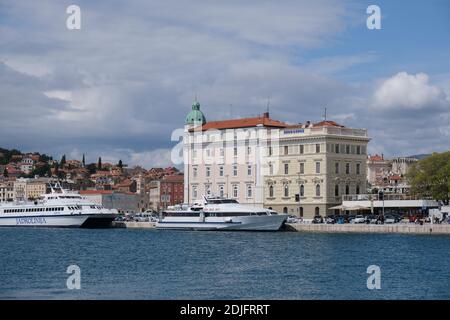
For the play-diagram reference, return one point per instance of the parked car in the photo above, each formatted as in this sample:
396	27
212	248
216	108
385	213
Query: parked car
358	219
388	219
330	220
317	219
142	217
371	219
341	219
292	219
350	218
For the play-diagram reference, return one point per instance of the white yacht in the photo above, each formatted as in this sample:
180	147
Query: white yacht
56	209
220	214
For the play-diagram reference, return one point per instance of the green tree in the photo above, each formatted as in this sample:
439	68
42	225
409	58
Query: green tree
5	173
430	177
63	160
120	164
92	168
99	164
83	161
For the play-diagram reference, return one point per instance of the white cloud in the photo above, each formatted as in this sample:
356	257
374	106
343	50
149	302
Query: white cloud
410	92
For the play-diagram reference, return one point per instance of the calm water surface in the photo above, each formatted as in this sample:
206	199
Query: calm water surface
152	264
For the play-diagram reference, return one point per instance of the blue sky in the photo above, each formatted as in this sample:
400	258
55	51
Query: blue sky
118	87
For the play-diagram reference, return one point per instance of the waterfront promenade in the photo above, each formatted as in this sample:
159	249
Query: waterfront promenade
405	228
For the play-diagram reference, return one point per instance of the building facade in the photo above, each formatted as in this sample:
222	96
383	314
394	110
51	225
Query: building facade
6	191
172	190
299	169
30	189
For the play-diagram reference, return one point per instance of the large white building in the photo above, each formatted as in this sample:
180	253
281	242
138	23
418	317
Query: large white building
301	169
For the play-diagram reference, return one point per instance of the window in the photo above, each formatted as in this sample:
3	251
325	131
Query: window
194	154
358	168
347	168
235	151
286	150
285	210
235	170
208	189
221	190
249	170
195	172
318	190
317	148
221	171
271	191
208	171
347	189
336	148
358	149
270	169
235	191
249	191
302	167
286	190
208	152
302	149
270	151
336	168
317	167
317	211
357	189
302	191
301	212
194	192
249	150
336	190
286	168
347	149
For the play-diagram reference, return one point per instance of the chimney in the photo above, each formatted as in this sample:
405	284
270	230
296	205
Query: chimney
266	115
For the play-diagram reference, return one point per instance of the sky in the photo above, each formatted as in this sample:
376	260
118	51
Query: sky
119	86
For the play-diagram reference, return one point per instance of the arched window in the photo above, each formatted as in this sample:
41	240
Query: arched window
318	190
357	189
317	211
286	190
301	212
285	210
302	191
271	191
347	189
336	190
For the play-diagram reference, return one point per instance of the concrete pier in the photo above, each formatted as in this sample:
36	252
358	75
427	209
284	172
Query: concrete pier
405	228
133	225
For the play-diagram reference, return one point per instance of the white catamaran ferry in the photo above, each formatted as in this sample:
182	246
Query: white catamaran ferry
220	214
56	209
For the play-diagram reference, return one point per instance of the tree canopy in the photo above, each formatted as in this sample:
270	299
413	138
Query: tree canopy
430	177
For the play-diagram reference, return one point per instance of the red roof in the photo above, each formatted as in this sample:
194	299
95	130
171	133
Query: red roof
327	123
174	178
263	120
95	192
376	158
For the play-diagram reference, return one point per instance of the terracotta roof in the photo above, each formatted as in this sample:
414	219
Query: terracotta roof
327	123
395	177
263	120
376	157
174	178
95	192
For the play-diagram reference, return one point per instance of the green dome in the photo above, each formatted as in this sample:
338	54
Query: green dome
195	116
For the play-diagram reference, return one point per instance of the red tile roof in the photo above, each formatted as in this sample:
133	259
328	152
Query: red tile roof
327	123
86	192
376	157
263	120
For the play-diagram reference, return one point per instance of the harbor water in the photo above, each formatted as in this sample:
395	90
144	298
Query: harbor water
152	264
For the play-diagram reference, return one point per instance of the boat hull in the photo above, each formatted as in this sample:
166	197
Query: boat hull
239	223
64	221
